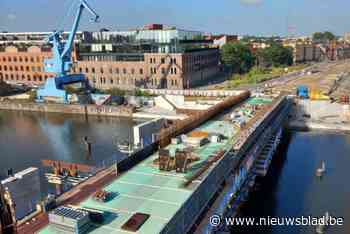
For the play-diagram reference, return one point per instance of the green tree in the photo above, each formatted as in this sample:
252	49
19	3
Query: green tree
276	55
328	36
115	92
323	36
237	56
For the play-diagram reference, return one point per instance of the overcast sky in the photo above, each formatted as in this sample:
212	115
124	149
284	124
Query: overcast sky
258	17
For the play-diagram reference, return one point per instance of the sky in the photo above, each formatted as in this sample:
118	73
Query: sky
242	17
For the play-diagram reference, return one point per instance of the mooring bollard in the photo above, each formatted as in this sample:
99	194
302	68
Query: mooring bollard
88	146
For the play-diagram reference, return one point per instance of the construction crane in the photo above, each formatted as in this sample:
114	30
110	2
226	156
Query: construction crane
61	61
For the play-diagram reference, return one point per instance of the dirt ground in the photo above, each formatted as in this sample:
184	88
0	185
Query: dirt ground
323	80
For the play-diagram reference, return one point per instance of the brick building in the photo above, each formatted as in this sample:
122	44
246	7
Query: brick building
107	70
23	65
152	57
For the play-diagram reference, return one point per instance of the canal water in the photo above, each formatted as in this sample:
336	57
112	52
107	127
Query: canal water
291	188
28	137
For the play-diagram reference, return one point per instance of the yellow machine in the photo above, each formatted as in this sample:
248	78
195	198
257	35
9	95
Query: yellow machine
316	94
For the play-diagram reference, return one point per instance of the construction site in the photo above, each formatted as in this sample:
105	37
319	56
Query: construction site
190	168
197	153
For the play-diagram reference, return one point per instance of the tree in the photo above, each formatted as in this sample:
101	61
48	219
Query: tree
323	36
276	55
237	56
328	36
115	92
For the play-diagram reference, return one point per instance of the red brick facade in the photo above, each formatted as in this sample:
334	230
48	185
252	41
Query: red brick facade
156	70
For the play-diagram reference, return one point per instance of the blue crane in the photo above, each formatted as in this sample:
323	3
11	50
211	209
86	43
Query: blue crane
61	61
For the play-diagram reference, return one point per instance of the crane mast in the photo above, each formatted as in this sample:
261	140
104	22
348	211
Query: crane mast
61	62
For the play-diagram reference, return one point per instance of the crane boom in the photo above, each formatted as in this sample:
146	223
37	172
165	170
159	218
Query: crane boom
69	44
61	62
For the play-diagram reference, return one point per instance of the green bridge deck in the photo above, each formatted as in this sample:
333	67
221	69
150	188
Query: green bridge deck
146	189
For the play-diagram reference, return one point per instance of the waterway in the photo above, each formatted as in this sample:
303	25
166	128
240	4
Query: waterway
291	188
26	138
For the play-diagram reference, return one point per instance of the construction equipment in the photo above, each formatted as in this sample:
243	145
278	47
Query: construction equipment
61	62
8	222
303	92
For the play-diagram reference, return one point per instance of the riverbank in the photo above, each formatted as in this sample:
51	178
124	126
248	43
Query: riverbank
301	125
319	115
117	111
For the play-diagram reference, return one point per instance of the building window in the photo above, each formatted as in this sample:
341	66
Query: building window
39	69
17	77
86	70
124	70
150	60
163	60
22	68
27	68
26	59
93	70
10	68
5	68
163	70
101	70
175	70
33	70
38	59
23	77
117	70
20	59
111	81
10	60
4	59
16	68
80	70
141	71
111	70
0	68
14	59
32	59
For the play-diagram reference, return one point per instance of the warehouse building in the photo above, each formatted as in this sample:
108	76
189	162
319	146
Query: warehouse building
154	57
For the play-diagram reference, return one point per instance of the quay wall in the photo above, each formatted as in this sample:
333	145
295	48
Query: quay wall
119	111
319	115
195	92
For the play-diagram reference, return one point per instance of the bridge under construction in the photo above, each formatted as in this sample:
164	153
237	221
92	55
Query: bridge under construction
205	165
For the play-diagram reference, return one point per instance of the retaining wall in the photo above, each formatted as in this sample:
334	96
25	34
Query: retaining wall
69	109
